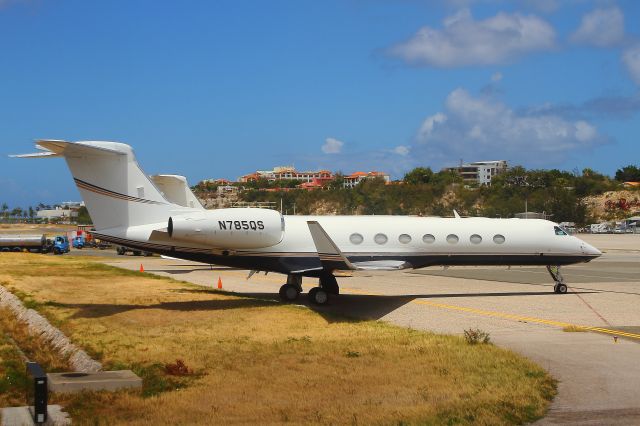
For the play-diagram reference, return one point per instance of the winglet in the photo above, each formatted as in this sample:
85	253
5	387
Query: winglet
455	214
330	255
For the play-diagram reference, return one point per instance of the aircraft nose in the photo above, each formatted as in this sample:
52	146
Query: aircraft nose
590	250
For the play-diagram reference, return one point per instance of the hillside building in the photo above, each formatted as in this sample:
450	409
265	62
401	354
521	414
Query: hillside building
355	178
288	173
480	172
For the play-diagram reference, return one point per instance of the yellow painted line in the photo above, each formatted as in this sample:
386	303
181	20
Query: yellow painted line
561	324
503	315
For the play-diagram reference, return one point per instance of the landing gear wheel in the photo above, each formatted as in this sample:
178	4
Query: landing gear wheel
289	293
318	296
329	283
560	288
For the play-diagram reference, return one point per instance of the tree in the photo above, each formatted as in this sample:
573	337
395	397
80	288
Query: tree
418	176
5	207
629	173
83	216
337	182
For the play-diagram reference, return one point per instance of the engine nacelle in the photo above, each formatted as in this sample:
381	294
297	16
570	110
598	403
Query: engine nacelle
244	228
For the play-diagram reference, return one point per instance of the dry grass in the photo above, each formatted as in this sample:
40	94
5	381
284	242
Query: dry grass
256	361
13	379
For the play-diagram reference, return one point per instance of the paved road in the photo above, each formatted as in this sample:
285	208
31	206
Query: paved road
598	372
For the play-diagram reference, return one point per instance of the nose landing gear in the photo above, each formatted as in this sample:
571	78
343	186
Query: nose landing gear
560	287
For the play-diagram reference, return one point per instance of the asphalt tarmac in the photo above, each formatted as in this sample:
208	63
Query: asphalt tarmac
598	370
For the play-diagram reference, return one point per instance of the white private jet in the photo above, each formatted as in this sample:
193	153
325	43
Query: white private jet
161	215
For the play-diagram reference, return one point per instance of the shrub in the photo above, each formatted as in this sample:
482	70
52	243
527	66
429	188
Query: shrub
475	336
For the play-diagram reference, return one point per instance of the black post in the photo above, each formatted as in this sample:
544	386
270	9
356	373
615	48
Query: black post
37	397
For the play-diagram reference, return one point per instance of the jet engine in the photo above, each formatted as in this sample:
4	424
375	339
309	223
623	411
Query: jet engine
244	228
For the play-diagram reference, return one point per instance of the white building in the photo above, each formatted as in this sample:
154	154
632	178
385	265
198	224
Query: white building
480	172
57	213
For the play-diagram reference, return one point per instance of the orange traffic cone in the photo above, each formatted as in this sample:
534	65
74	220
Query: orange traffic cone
219	283
141	268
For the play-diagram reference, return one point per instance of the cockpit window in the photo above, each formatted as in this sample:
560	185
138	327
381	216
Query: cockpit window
559	231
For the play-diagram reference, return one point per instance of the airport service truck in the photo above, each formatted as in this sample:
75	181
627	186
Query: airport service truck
37	243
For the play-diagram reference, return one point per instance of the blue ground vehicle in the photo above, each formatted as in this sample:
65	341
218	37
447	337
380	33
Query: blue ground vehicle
79	242
60	244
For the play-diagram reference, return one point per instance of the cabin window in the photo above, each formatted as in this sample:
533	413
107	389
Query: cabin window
452	239
428	238
475	239
380	239
559	231
498	239
404	238
356	238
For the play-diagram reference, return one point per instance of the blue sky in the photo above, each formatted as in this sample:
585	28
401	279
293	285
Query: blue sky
219	89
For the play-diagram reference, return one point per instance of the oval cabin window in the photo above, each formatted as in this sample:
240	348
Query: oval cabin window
452	239
404	238
356	238
475	239
498	239
380	239
428	238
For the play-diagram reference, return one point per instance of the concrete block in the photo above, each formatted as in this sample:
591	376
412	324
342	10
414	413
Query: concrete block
20	416
102	380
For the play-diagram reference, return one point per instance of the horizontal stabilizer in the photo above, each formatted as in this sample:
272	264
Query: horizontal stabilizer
43	154
58	148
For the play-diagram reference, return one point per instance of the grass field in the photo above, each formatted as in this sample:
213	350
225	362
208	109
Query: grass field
257	361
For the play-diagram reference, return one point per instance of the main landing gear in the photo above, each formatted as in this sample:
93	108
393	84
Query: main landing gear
290	292
560	287
292	289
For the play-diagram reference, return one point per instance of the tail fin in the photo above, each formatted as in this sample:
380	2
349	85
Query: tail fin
114	188
176	189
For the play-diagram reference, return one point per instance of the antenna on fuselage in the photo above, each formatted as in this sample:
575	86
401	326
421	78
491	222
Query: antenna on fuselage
455	214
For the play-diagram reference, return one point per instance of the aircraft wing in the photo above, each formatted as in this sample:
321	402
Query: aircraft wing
330	255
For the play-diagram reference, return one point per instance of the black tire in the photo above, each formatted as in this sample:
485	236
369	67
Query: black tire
318	296
289	293
329	283
57	251
16	250
121	251
561	288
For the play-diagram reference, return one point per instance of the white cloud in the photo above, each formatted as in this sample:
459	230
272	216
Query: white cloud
631	59
585	132
332	146
497	76
481	127
465	41
428	125
401	150
601	28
